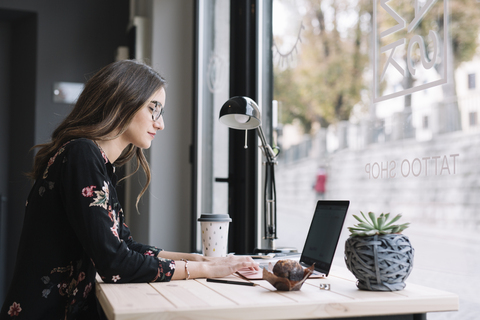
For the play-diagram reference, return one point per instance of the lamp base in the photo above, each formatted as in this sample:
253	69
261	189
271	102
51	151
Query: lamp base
284	250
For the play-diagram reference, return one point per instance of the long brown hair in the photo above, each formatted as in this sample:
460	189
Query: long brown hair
104	110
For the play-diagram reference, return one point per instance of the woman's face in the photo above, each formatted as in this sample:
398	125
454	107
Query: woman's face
143	128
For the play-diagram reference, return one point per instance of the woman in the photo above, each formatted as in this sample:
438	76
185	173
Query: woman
74	226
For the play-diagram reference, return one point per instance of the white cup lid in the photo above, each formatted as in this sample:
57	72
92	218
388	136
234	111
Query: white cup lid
212	217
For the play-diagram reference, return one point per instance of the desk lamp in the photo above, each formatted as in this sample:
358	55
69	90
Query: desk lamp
242	113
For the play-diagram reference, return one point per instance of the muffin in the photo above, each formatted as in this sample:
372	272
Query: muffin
289	269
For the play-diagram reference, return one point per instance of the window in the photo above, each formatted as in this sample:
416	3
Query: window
473	119
211	139
471	81
425	122
356	90
233	60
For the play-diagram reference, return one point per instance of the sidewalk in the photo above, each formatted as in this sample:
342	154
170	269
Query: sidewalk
448	260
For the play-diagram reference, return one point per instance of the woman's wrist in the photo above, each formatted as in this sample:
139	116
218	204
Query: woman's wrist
197	269
187	272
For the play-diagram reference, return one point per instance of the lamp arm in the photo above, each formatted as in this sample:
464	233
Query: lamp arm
270	201
267	149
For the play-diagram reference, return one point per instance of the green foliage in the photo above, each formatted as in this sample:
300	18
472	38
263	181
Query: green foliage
376	225
463	25
325	79
326	75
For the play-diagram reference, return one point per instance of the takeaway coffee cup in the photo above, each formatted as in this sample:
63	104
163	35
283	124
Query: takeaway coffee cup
214	234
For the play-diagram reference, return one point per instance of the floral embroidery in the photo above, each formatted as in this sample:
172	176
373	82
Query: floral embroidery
102	197
104	155
14	310
88	288
70	286
149	253
111	213
114	218
52	159
45	293
62	288
46	281
47	184
63	269
161	275
157	276
115	231
87	192
116	278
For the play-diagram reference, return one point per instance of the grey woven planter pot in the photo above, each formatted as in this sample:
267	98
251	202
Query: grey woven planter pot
380	262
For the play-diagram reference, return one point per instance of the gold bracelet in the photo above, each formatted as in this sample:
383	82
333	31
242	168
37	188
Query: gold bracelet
186	269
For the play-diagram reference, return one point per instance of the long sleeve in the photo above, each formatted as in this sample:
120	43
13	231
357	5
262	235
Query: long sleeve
94	212
73	229
131	243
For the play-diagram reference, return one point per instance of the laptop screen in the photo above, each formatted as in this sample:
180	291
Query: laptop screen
324	234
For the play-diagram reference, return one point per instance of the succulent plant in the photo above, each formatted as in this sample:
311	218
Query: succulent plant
376	225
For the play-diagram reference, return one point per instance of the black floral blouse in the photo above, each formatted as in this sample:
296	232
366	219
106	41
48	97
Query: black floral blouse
74	227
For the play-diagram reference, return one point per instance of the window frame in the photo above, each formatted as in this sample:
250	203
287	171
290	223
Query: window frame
251	75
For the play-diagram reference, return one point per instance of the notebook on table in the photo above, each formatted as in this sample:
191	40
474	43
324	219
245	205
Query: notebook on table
321	241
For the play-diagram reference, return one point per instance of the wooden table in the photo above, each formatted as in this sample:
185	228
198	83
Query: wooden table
198	299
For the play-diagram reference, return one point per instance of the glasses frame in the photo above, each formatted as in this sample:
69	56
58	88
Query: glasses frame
157	111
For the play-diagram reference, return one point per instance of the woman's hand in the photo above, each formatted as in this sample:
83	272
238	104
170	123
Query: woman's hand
214	267
221	267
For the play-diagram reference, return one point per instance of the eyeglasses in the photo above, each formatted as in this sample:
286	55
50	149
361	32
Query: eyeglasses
157	111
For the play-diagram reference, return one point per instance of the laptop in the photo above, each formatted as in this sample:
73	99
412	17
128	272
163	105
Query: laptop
321	241
323	235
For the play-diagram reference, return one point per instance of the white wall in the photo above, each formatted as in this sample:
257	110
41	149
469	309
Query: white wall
170	189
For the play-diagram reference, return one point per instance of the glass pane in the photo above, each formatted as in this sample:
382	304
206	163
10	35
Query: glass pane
377	104
213	79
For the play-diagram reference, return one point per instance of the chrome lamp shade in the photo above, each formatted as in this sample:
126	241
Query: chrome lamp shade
240	113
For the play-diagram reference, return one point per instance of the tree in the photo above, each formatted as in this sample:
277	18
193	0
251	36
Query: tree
330	70
463	31
327	78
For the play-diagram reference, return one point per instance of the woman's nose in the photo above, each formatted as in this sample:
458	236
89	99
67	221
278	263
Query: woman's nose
159	124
